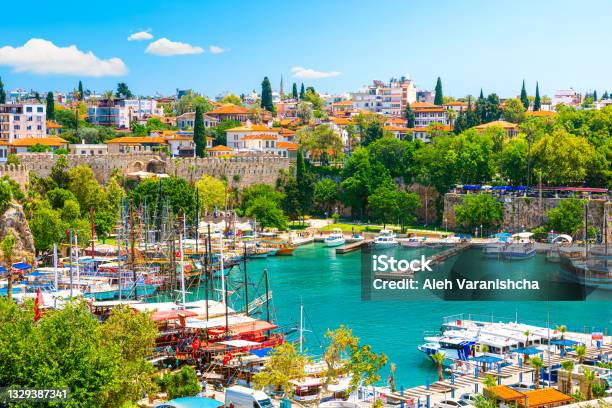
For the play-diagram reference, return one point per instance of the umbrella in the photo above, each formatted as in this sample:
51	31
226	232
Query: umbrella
22	266
526	350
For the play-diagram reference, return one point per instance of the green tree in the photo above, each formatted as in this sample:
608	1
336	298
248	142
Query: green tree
303	111
304	182
568	366
7	245
50	106
286	364
85	187
537	102
6	194
373	132
514	160
439	97
189	101
231	98
513	111
325	194
524	98
537	363
268	213
178	193
47	227
266	95
212	193
409	116
489	381
438	359
383	203
123	91
567	218
479	210
321	143
80	91
2	92
493	111
407	203
199	135
294	91
219	132
302	91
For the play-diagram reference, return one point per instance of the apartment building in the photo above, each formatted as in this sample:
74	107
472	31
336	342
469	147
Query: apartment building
187	121
566	97
142	109
385	98
22	121
109	113
426	113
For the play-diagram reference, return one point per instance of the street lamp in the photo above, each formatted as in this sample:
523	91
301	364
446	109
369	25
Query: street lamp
480	230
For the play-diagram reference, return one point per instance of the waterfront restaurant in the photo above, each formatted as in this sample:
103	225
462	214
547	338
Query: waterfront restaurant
539	398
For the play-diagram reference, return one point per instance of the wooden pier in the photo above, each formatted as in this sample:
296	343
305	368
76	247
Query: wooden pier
450	252
352	246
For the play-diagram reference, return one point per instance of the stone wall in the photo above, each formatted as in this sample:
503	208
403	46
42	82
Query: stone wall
19	173
240	171
528	212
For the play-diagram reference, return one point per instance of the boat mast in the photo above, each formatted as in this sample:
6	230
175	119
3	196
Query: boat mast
132	250
223	289
197	219
301	325
267	296
93	234
70	251
246	280
76	249
182	271
55	278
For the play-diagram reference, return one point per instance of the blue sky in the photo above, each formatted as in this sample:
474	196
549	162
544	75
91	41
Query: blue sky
470	44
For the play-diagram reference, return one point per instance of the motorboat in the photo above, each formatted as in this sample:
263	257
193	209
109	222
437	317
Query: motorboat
385	239
413	242
520	248
336	238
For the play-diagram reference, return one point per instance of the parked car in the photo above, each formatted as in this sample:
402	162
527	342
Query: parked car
523	386
453	403
470	397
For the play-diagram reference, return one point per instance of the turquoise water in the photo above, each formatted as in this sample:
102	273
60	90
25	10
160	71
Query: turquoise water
328	285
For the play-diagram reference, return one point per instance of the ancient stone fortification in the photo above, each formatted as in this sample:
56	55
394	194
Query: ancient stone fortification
529	212
239	171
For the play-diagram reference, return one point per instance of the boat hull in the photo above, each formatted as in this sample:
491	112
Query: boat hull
127	291
335	242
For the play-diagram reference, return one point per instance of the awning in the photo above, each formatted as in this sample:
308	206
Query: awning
564	342
262	352
22	266
239	343
527	350
245	328
172	315
486	359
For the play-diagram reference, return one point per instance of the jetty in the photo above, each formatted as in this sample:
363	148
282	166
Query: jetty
450	252
353	246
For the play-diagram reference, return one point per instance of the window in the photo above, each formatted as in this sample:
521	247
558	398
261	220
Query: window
29	127
16	117
17	127
39	109
39	127
29	109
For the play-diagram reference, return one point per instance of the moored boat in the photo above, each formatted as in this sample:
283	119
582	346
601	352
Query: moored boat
385	239
336	238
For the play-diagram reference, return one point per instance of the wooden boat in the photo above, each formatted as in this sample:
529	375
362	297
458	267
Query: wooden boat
285	251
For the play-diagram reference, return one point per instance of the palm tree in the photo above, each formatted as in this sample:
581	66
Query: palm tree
451	114
392	377
562	329
569	367
526	333
537	363
581	353
438	359
589	379
489	381
8	251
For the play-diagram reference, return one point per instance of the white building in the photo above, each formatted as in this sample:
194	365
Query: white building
236	136
387	99
142	108
566	97
22	120
117	116
426	113
187	121
88	149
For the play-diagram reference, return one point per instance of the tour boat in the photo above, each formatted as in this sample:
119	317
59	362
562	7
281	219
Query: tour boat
385	239
520	248
336	238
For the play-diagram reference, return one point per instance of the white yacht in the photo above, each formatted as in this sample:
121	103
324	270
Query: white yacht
385	239
336	238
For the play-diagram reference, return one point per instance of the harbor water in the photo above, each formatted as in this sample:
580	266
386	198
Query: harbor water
328	286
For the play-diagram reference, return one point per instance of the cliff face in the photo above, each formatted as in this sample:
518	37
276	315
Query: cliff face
14	221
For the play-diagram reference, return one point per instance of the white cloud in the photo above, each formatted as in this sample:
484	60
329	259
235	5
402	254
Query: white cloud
140	36
308	73
166	48
216	49
40	56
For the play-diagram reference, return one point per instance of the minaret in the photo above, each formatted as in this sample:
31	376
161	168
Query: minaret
281	88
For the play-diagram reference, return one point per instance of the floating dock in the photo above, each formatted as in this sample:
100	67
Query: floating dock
450	252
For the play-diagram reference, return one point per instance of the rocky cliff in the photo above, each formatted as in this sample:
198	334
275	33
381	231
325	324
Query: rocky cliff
14	221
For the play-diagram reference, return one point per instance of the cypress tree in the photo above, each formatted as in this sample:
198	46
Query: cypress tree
199	137
524	98
595	96
481	94
302	92
536	101
81	95
471	117
294	92
438	99
2	93
50	106
460	123
266	95
605	95
409	116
